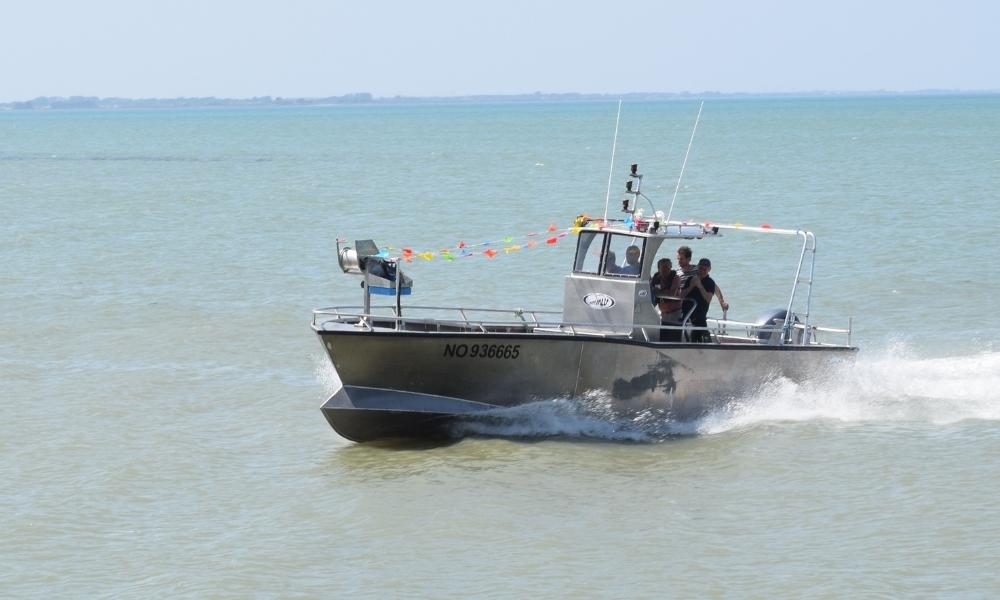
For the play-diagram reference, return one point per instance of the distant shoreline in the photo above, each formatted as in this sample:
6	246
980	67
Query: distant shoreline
364	98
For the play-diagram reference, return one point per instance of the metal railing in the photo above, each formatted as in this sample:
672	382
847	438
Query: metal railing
459	320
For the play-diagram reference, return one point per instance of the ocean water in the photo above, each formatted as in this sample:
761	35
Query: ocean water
160	432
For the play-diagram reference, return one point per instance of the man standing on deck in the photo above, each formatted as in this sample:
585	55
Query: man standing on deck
686	271
701	289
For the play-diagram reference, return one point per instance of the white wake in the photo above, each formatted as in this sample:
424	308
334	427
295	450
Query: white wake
892	387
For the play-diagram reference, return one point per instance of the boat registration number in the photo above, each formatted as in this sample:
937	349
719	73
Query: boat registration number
500	351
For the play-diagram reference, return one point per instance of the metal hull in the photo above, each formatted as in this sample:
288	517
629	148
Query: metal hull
363	414
407	384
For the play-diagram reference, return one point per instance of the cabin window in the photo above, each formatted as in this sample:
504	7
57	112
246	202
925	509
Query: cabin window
589	248
624	256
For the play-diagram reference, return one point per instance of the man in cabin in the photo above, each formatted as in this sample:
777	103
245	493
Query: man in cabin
610	262
631	266
700	289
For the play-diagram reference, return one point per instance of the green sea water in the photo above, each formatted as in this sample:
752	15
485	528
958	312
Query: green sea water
160	431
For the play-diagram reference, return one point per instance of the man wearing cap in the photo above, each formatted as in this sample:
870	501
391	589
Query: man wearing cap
700	289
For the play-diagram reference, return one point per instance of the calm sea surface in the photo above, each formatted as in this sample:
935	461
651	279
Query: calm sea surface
160	432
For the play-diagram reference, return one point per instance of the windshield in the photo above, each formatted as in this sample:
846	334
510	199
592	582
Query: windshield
624	256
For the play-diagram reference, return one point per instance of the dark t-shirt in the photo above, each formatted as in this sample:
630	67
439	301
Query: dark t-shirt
701	310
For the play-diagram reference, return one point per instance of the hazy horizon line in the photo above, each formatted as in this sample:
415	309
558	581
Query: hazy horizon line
367	97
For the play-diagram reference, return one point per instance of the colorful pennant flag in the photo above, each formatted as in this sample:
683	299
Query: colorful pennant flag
491	248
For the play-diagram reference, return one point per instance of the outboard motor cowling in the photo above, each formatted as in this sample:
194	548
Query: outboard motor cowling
769	327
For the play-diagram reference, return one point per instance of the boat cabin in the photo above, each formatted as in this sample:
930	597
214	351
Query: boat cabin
608	290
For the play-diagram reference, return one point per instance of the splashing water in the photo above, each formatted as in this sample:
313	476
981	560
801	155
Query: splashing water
587	417
892	387
888	388
325	374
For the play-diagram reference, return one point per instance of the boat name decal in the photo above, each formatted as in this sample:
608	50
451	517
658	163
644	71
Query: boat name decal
498	351
599	300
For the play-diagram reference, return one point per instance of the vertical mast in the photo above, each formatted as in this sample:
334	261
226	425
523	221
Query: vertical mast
684	164
614	145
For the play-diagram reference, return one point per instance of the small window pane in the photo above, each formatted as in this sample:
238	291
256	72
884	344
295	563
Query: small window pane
588	252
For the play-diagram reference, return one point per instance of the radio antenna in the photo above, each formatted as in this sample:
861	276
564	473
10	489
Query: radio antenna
614	145
684	164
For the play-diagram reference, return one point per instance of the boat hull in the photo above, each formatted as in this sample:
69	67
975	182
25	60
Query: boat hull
363	414
406	384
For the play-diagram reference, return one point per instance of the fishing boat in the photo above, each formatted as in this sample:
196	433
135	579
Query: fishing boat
416	371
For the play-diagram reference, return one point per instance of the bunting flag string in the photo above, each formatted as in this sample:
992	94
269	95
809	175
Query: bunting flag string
508	244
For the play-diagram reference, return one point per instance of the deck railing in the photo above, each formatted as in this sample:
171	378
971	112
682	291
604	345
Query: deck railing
458	320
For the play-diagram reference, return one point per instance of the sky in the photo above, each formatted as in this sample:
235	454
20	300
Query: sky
316	48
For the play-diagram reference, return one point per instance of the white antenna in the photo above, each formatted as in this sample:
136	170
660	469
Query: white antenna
684	164
614	145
